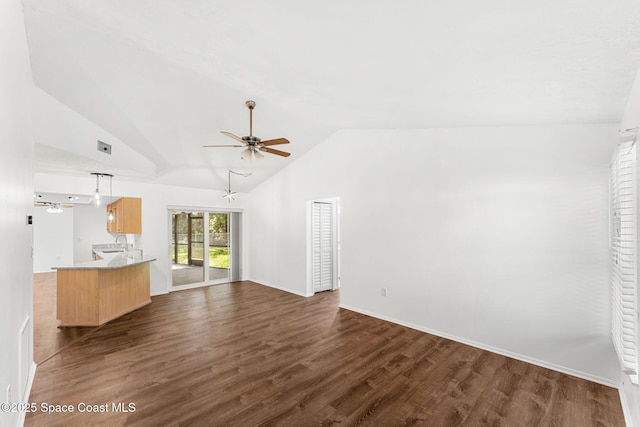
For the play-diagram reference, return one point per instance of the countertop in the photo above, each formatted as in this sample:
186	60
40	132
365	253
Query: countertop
108	261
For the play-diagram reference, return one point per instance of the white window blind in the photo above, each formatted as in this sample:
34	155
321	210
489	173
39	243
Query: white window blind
623	244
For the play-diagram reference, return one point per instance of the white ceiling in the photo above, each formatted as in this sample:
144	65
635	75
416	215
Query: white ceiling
157	79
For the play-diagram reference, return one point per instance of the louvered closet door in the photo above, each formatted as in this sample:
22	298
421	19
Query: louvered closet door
623	247
322	247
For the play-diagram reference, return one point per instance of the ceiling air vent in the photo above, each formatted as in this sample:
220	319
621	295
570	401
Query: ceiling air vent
104	147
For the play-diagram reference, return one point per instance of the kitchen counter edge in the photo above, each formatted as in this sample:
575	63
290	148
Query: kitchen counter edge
120	261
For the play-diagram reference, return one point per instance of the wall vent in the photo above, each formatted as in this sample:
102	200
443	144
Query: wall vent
104	147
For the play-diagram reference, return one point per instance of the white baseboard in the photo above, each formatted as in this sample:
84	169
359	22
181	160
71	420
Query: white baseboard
579	374
291	291
25	398
625	407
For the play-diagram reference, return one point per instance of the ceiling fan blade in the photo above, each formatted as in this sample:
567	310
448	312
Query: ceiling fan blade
230	135
274	151
275	141
214	146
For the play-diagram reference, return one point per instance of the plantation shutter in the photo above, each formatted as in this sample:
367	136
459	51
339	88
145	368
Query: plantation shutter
623	244
322	247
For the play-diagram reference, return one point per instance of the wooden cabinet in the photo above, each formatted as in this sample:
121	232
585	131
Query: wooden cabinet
91	297
127	216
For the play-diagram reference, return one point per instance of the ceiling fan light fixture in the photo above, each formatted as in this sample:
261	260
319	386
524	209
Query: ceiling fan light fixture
246	155
259	156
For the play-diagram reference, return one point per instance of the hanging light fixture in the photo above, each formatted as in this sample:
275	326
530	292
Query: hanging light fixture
110	217
231	195
97	199
96	195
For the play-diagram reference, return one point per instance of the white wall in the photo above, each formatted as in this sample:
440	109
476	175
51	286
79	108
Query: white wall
493	236
52	239
89	228
155	239
16	199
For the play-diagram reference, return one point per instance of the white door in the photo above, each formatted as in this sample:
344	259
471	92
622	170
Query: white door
322	241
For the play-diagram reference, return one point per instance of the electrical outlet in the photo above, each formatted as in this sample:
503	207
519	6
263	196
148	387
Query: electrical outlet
9	393
383	292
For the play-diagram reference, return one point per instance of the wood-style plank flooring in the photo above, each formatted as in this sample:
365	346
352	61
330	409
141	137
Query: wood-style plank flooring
48	339
243	354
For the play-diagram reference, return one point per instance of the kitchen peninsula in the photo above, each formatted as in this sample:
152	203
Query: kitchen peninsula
94	292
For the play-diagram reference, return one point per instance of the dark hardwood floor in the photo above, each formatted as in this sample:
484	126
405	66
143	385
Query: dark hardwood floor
243	354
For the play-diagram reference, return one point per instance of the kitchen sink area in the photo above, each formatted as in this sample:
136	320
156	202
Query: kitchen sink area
97	251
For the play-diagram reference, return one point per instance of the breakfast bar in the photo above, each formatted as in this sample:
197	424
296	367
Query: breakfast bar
92	293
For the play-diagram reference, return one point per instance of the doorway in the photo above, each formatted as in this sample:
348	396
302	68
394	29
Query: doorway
323	237
204	247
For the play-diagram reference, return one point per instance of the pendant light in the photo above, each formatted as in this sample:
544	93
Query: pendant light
97	198
110	217
96	195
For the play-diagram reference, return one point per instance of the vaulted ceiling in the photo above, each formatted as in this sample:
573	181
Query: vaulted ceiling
158	79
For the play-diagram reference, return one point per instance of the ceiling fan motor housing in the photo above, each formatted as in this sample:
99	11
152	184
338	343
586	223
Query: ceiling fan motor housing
251	140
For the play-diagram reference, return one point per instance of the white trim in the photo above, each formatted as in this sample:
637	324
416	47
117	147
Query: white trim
27	394
198	285
280	288
203	208
25	338
517	356
626	411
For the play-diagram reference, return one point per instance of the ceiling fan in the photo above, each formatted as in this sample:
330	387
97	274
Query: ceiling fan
252	144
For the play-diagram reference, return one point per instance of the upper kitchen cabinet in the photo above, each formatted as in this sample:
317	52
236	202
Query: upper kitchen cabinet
127	216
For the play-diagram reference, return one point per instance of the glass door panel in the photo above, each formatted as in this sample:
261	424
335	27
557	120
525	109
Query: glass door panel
219	256
187	249
196	243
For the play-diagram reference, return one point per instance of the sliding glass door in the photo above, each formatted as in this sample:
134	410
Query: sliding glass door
201	247
218	248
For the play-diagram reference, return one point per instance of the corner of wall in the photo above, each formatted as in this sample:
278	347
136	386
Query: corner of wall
630	401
